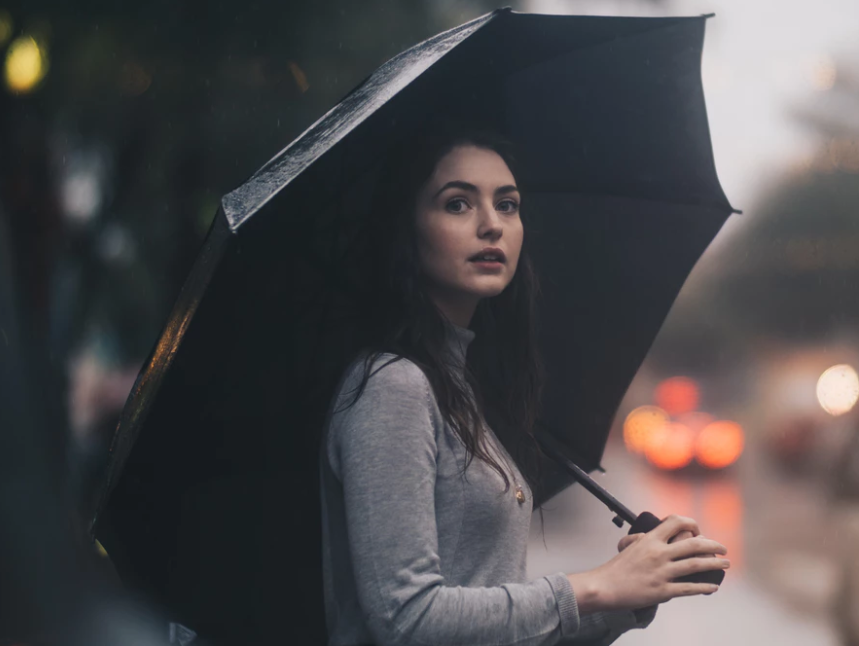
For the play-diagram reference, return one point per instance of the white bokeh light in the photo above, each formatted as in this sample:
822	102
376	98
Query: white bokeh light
838	389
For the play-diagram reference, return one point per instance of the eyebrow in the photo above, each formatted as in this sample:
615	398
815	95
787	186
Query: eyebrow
466	186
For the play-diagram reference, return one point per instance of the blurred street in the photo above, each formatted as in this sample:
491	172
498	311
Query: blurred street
778	588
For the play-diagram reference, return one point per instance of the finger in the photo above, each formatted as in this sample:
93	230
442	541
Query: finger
673	525
682	536
690	589
694	547
695	565
626	541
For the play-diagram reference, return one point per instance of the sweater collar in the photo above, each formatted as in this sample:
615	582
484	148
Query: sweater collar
457	339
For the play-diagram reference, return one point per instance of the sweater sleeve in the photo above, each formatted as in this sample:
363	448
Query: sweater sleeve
603	628
383	449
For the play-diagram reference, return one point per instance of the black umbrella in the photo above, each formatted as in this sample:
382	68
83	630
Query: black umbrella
211	504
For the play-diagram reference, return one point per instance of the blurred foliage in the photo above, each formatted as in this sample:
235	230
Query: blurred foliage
791	274
159	109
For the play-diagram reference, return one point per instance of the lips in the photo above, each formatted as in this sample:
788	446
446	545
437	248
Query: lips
489	254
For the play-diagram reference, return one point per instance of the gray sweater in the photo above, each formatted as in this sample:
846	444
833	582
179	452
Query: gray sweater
416	554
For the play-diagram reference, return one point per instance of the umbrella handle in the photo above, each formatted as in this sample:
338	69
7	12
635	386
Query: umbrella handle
646	522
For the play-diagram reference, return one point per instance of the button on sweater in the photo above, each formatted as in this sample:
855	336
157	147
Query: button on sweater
417	553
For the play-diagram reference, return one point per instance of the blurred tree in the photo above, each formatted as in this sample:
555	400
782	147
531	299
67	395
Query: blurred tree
148	114
180	103
790	275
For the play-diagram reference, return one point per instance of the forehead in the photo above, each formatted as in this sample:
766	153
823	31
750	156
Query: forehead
474	165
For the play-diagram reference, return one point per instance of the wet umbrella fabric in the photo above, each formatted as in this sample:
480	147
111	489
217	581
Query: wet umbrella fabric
211	502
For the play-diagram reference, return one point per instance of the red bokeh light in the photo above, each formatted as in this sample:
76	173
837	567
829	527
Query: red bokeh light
677	395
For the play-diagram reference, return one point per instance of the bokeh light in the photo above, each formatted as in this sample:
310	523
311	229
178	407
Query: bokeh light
639	424
719	444
670	446
697	421
677	395
838	389
26	65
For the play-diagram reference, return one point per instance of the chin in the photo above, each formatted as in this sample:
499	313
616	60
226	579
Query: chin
488	291
473	290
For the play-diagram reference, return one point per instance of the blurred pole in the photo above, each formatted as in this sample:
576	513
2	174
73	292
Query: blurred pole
51	589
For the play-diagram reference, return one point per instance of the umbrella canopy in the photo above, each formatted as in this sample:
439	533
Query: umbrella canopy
211	503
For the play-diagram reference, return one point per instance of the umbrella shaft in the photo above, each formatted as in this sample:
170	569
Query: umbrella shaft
555	450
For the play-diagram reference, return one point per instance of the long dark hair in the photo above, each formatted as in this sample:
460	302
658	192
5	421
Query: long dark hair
503	368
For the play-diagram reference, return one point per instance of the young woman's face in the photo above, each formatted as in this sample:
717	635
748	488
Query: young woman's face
469	203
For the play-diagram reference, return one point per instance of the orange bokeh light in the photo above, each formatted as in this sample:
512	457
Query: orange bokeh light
677	395
697	421
639	424
719	445
670	446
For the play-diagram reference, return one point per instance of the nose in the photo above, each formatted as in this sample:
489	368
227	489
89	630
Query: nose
489	223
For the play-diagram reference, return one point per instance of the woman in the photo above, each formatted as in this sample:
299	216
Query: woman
429	467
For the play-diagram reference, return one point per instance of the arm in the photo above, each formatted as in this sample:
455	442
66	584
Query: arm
609	625
384	452
603	627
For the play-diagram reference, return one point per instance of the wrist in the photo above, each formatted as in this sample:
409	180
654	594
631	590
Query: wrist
589	597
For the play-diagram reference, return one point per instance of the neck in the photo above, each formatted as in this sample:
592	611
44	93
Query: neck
458	310
457	340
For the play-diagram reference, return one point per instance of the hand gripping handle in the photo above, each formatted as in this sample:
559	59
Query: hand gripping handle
647	521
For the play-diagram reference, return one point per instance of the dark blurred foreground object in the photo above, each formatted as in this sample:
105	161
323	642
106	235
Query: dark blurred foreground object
52	590
211	503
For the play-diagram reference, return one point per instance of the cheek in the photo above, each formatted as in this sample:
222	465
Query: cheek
438	245
517	237
432	248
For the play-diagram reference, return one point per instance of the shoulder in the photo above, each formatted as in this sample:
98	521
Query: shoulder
388	373
396	386
395	403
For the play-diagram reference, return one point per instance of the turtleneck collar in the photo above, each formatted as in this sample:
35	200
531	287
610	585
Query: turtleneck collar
457	339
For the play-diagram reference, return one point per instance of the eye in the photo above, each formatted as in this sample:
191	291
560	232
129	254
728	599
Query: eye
508	206
457	205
